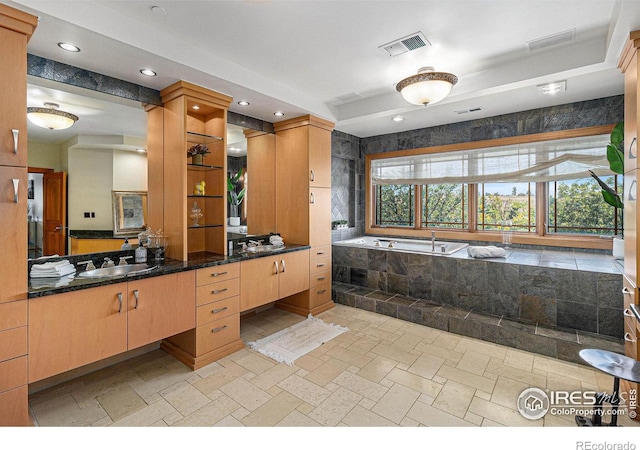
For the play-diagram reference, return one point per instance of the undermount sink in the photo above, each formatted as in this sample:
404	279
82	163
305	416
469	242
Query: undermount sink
264	248
116	271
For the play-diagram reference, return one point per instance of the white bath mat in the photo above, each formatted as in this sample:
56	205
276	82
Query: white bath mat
291	343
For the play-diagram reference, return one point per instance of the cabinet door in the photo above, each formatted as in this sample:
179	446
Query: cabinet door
258	282
320	217
294	273
13	234
160	307
319	157
13	66
99	330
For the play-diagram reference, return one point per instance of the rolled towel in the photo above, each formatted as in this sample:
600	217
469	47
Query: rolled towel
276	240
490	251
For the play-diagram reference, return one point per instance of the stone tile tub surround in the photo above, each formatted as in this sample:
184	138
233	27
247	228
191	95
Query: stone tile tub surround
555	290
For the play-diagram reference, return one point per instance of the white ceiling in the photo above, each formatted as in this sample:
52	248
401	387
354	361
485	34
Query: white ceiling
322	57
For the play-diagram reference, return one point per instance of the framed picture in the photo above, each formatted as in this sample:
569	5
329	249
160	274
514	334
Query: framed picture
129	212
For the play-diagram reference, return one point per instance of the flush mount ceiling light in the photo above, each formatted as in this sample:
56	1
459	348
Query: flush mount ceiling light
278	113
243	103
50	117
553	88
195	107
68	47
427	86
148	72
397	118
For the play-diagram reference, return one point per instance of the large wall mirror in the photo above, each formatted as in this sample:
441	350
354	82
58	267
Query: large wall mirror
73	172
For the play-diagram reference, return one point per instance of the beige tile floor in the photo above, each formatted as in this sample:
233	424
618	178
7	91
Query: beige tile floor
382	372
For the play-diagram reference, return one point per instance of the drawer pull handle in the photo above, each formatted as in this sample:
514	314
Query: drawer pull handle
119	302
135	294
321	253
627	313
218	291
322	292
15	140
283	266
312	198
219	310
313	176
320	278
15	189
632	155
275	266
634	310
320	265
215	330
626	291
627	337
218	274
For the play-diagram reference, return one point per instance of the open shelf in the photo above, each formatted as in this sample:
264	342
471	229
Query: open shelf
203	167
196	227
205	196
199	138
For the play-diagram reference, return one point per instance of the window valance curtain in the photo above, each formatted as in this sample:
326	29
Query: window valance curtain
562	159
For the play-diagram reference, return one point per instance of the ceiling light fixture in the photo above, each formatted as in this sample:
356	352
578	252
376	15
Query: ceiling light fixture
148	72
141	150
50	117
243	103
398	119
553	88
427	87
195	107
278	113
68	47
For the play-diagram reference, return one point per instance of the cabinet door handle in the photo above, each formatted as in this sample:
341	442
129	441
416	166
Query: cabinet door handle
283	266
322	252
626	291
322	292
320	278
312	199
275	267
632	155
627	337
135	294
218	291
15	140
218	274
16	181
215	330
219	310
313	176
119	302
627	313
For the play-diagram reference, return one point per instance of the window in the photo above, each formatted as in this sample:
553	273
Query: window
536	189
507	205
445	205
576	206
395	205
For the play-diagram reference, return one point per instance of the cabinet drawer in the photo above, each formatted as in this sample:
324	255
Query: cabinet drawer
218	333
13	343
218	291
14	407
13	373
318	278
217	310
320	252
319	295
215	274
13	314
320	264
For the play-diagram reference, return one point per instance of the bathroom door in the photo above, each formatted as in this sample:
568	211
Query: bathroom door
54	239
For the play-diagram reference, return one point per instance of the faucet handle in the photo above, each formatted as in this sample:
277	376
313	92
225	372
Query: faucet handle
89	264
123	260
107	262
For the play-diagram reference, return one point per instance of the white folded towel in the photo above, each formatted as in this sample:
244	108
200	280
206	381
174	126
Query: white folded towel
40	283
490	251
52	269
50	265
276	240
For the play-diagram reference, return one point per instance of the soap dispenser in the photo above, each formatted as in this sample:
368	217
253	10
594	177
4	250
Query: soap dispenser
126	245
141	254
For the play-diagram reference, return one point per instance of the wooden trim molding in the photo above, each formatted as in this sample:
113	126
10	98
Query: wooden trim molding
181	88
629	50
302	121
18	21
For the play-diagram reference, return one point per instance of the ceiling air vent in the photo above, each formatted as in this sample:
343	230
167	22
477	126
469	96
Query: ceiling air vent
549	41
466	111
406	44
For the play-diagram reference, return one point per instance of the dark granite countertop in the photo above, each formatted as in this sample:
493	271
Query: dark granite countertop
42	287
98	234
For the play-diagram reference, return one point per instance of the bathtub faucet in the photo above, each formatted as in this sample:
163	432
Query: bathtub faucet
392	244
433	241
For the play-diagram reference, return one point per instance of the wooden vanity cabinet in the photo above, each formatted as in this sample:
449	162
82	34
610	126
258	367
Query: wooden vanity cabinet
159	307
13	364
76	328
217	330
265	280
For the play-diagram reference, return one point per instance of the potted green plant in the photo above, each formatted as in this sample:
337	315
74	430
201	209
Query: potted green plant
615	156
235	197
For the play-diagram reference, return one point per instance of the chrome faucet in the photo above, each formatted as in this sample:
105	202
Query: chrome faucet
392	244
123	260
433	241
90	265
107	263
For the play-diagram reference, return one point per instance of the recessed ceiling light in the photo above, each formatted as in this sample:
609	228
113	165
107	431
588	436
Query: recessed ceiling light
141	150
196	107
398	119
68	47
553	88
243	103
159	10
148	72
278	113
